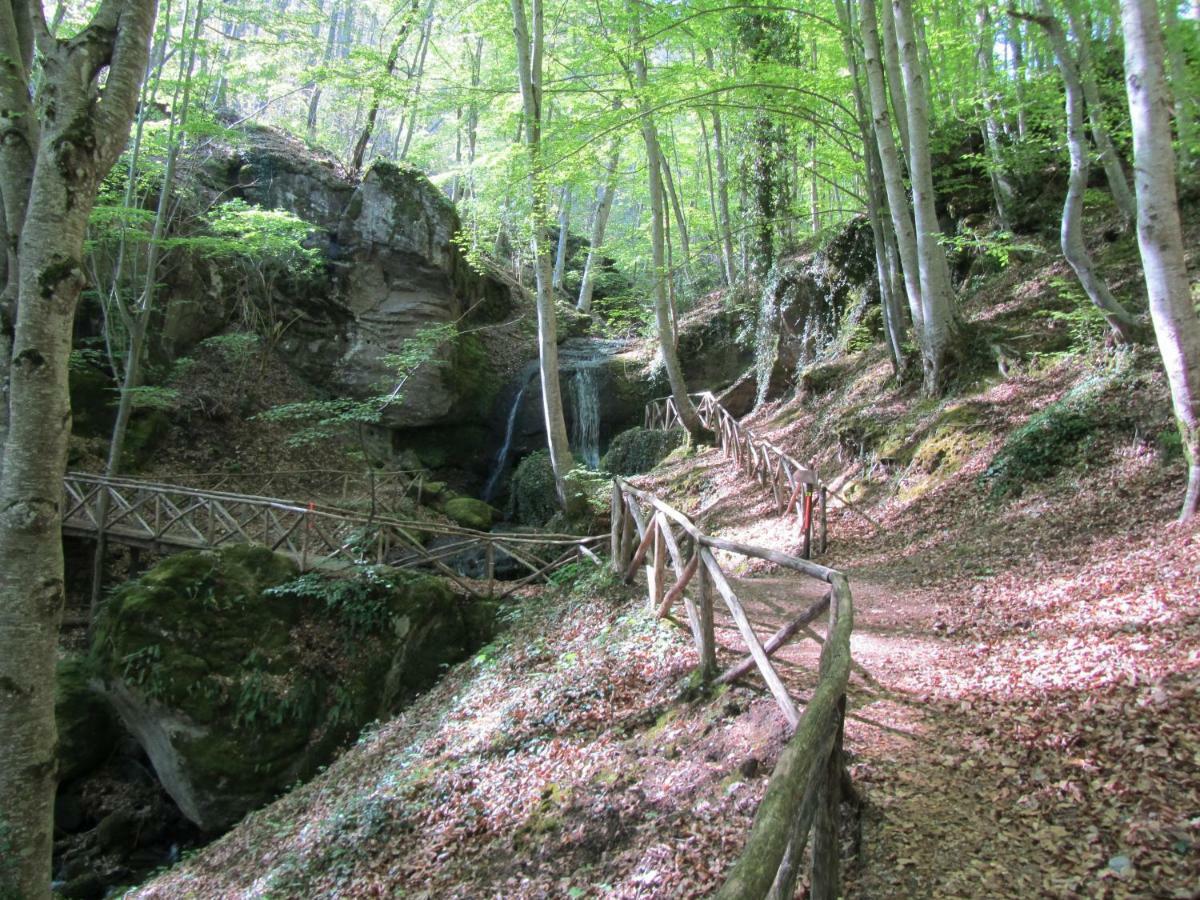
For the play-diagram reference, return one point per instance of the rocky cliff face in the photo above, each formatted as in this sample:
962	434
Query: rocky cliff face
389	269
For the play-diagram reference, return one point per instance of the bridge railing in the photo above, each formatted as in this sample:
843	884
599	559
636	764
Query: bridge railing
682	567
164	516
795	487
390	488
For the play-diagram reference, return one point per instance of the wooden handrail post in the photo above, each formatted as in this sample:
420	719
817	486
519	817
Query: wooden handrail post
616	517
824	517
826	846
489	556
657	588
708	641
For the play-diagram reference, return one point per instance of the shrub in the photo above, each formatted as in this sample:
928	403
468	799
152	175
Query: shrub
639	450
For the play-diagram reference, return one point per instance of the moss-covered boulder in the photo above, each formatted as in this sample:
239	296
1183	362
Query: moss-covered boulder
87	729
239	678
639	450
471	513
532	494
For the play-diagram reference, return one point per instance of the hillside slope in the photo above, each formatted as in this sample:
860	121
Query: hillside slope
1021	720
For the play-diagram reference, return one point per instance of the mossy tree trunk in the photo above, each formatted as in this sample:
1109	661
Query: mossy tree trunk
80	130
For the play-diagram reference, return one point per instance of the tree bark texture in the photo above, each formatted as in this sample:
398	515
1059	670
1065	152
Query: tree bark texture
662	312
1073	247
604	204
529	71
1160	236
939	323
83	129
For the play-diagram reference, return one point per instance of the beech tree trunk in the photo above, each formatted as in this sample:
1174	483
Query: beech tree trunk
1002	190
529	73
662	310
939	324
74	150
1114	172
1160	235
889	161
727	256
604	204
891	64
1073	247
564	225
886	271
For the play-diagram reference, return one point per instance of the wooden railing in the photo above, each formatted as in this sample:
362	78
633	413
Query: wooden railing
387	487
165	517
804	793
796	488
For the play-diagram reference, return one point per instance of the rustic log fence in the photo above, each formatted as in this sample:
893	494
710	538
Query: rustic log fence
795	487
804	794
388	487
166	517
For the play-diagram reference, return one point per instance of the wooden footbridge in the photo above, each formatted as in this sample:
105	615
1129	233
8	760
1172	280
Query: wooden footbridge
171	517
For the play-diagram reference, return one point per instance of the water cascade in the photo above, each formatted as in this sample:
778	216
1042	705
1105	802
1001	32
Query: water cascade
493	482
585	436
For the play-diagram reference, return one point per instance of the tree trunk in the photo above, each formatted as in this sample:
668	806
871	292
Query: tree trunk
723	191
889	161
939	323
1160	236
73	153
1073	247
389	69
564	225
662	313
891	64
1187	105
1002	190
604	203
1118	184
529	71
314	99
889	281
685	245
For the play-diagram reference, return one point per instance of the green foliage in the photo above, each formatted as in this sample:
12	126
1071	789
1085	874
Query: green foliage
1053	439
362	602
317	420
1083	321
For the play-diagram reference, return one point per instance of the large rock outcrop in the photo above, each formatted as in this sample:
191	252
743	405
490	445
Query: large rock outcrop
389	269
238	678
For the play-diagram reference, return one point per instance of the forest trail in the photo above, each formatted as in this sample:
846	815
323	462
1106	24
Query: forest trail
930	825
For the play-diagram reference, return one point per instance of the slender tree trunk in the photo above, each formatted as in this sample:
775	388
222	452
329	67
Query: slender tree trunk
711	184
888	278
1016	40
389	69
1002	190
889	160
722	190
1160	235
417	78
564	225
604	204
1073	247
891	66
1118	184
529	71
685	244
75	150
314	99
1187	104
137	321
662	313
939	324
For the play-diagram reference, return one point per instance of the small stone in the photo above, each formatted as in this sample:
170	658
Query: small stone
749	767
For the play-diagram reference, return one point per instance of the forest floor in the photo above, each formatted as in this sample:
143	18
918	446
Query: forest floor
1021	716
1021	721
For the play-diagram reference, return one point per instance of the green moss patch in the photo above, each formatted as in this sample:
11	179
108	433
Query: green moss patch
639	450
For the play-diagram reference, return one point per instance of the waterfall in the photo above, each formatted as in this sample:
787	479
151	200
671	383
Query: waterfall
493	482
585	436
